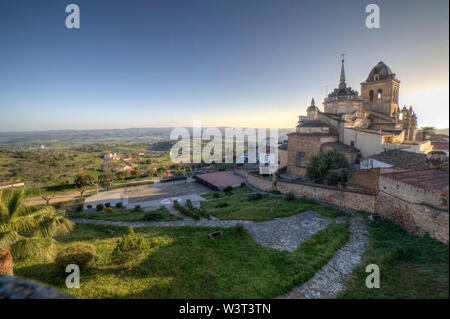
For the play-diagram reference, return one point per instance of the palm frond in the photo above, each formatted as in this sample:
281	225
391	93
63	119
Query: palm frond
27	220
4	215
34	247
7	239
57	225
15	201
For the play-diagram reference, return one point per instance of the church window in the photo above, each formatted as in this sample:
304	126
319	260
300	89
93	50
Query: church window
380	94
301	159
371	96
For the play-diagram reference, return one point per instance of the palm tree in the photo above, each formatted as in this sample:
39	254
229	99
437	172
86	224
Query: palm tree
27	231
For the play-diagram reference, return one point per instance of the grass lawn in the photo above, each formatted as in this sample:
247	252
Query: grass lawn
126	215
184	263
237	190
410	266
266	208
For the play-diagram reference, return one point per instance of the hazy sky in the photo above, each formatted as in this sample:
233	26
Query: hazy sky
224	62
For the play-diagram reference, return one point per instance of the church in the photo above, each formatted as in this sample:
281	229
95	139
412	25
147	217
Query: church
356	125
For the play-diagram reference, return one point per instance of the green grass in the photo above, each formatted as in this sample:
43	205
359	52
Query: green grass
237	190
125	215
410	266
184	263
266	208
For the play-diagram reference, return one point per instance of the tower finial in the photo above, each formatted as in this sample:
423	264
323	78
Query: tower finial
312	102
342	84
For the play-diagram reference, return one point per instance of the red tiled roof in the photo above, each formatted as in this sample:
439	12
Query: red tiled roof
435	180
440	146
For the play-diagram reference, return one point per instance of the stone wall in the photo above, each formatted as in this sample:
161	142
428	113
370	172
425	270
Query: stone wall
418	219
408	192
353	199
367	178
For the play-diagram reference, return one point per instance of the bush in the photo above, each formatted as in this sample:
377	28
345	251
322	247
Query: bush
216	195
137	207
153	216
275	192
99	207
290	196
129	247
191	213
222	205
228	190
195	210
239	228
79	208
80	254
109	210
119	205
107	205
243	184
253	197
89	206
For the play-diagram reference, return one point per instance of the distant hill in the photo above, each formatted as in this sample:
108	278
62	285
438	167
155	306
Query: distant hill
442	131
59	137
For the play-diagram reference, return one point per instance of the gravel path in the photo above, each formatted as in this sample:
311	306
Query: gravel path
329	281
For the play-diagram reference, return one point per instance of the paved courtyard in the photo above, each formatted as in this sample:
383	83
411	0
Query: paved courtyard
150	195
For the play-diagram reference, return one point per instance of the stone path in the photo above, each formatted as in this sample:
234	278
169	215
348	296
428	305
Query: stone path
285	233
329	281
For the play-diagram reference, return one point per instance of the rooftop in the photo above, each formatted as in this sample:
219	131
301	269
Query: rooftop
435	180
342	147
220	179
403	159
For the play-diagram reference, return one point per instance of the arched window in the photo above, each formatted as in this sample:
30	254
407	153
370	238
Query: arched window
371	96
376	77
380	94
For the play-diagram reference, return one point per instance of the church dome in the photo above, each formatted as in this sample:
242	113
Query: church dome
380	72
312	107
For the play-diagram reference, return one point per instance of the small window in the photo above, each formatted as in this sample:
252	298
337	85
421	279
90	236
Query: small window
371	96
352	143
380	94
376	77
301	159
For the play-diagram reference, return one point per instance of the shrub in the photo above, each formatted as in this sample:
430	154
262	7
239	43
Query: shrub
243	184
239	228
290	196
228	190
222	205
80	254
129	247
216	195
253	197
99	207
107	205
137	207
79	208
119	205
152	216
275	192
89	206
109	210
191	213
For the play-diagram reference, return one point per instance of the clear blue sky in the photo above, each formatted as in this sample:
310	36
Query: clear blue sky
228	63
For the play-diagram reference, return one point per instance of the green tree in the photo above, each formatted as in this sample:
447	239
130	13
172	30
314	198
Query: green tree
27	231
106	179
82	182
319	165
